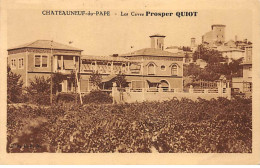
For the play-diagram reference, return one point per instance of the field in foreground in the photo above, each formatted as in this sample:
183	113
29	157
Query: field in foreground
221	125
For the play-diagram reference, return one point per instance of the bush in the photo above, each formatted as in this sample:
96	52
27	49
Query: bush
14	86
67	97
97	96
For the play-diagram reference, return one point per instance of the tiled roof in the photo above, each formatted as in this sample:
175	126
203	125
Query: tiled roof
153	52
157	35
46	44
218	25
172	47
226	48
106	58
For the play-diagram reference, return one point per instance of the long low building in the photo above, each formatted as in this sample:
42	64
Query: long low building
148	68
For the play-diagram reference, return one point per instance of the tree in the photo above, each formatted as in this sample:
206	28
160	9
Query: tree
191	70
235	66
208	55
72	79
39	85
14	86
120	80
95	79
57	78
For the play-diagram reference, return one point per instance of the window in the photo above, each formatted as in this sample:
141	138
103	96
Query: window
151	69
68	63
20	63
59	63
13	64
37	61
44	61
40	61
174	69
163	67
137	84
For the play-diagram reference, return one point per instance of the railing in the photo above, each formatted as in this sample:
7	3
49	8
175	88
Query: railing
174	90
152	90
136	90
198	90
213	91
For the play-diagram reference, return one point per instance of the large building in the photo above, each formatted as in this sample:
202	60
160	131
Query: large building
215	37
147	68
42	57
244	84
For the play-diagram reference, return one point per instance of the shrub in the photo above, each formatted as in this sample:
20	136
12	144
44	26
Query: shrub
174	126
67	97
97	96
14	86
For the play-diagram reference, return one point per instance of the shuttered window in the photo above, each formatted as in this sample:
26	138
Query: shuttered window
37	60
41	61
20	63
13	63
44	61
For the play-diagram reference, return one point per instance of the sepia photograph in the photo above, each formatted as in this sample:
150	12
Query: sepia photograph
128	80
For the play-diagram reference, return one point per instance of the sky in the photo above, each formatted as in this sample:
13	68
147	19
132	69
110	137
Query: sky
100	35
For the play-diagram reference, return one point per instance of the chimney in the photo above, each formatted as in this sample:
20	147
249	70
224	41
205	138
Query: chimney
193	42
235	38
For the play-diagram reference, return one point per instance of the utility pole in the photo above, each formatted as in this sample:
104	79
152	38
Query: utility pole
51	74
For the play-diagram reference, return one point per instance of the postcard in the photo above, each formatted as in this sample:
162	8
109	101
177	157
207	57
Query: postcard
130	82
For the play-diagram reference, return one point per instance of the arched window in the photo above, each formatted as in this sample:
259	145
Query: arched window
151	69
165	85
174	69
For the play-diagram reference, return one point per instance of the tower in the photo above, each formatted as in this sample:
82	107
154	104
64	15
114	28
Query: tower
157	41
193	42
218	32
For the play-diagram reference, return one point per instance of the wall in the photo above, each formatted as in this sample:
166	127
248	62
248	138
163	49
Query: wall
22	71
233	54
31	76
158	63
247	72
131	97
219	33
